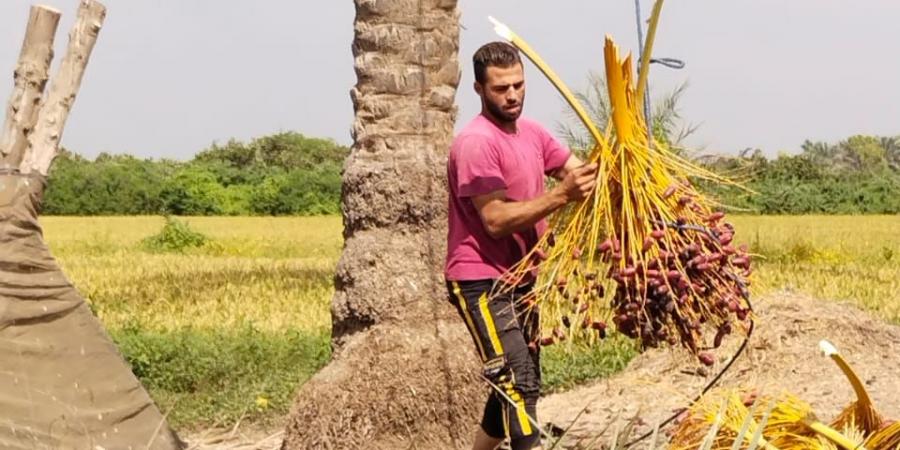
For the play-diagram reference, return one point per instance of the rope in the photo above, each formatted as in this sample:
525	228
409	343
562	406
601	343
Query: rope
646	99
14	172
671	63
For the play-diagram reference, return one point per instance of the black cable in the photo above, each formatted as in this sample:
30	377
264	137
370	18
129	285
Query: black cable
671	63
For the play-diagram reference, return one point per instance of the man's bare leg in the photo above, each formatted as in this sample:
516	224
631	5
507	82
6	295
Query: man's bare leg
485	442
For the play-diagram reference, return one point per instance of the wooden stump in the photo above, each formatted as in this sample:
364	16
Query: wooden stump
44	143
32	71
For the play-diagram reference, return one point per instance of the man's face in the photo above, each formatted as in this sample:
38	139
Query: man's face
503	92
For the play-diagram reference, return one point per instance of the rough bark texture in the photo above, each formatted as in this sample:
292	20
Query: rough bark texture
403	372
44	141
32	71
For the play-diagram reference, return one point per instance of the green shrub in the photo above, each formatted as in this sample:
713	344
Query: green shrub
175	236
298	192
111	184
194	191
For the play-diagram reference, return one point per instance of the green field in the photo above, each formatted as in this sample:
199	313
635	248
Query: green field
230	329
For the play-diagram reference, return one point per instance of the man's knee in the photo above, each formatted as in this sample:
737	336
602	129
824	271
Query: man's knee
516	392
513	380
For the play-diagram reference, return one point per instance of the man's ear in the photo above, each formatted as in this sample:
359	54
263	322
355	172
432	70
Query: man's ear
479	89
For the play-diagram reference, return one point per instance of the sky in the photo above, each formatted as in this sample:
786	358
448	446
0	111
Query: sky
170	77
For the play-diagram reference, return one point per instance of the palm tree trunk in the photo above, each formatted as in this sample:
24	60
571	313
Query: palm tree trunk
403	370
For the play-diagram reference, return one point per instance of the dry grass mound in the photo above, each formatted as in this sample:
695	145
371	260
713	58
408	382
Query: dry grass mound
389	388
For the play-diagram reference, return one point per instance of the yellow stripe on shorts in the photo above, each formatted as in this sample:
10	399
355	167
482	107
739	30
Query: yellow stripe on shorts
489	324
469	322
521	414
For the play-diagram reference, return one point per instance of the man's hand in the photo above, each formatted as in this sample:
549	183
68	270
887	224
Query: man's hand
578	183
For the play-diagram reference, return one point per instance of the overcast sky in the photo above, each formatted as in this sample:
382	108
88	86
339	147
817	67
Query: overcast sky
169	77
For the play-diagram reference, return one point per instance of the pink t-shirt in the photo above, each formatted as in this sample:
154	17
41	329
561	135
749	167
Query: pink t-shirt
483	159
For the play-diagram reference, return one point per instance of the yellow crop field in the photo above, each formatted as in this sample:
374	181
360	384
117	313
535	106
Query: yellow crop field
847	258
229	329
272	272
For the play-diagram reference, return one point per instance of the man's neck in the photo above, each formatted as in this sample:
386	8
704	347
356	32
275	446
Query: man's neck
508	127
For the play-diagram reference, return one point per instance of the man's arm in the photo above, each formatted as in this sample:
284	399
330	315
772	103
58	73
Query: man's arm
571	164
502	216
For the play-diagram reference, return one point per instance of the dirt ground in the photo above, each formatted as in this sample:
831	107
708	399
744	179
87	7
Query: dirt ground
782	355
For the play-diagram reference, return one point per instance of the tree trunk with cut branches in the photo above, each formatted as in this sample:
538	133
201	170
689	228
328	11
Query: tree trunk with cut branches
64	383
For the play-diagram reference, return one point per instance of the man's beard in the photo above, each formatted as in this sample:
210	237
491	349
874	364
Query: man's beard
502	115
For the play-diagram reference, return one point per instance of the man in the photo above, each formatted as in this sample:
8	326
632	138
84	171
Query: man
498	203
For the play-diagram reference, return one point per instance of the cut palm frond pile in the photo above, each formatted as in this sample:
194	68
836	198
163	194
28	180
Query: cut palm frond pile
861	413
646	253
887	438
735	419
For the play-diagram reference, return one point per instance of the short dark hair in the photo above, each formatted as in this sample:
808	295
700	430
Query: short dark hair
494	54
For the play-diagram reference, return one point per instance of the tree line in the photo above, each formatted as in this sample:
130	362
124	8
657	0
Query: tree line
281	174
292	174
858	175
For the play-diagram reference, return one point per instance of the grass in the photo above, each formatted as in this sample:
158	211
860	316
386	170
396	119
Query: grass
224	375
225	330
230	328
564	367
273	273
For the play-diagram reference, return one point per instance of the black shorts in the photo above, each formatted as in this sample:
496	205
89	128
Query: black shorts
502	327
